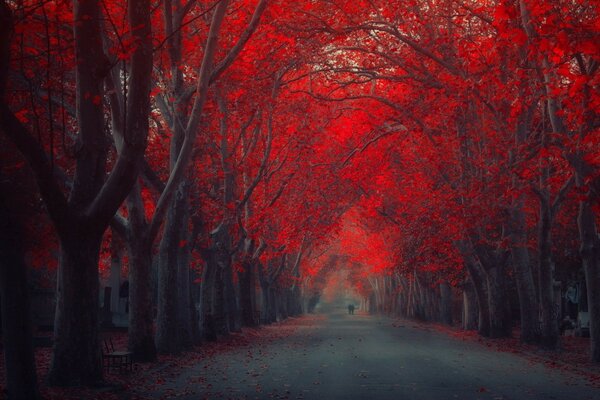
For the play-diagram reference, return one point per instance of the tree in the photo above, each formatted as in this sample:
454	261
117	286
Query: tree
81	219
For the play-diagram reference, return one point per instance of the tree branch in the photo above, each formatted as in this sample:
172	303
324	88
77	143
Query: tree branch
185	154
239	46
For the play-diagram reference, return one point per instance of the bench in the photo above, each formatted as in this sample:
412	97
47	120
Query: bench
112	359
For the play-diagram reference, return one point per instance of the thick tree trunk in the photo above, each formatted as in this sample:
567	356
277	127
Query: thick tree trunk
207	309
282	311
21	379
372	304
296	301
272	305
530	330
141	302
141	330
247	294
410	303
470	310
195	311
402	296
479	281
548	311
168	324
184	302
446	303
590	256
183	276
498	306
264	290
231	298
221	319
76	357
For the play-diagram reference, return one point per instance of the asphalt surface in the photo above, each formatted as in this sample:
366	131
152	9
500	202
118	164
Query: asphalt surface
367	357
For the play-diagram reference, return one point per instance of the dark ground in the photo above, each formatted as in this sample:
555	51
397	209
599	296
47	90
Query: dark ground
340	356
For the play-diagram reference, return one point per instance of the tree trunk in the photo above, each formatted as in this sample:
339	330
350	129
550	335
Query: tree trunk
21	379
479	282
207	293
548	312
221	319
282	310
410	299
230	297
183	276
446	303
76	357
141	330
167	324
264	290
272	304
141	302
470	309
498	306
194	311
247	294
530	332
296	303
590	256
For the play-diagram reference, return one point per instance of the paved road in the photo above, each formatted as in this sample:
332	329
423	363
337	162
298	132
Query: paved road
364	357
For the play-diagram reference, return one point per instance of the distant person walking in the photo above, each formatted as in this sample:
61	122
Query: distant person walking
351	309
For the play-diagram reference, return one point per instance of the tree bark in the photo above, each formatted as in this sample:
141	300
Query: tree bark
498	305
247	294
76	356
590	256
141	330
208	299
470	310
183	275
550	338
477	276
530	329
168	323
21	377
141	302
221	319
231	298
446	303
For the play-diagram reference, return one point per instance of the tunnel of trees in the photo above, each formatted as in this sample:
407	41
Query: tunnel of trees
225	156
